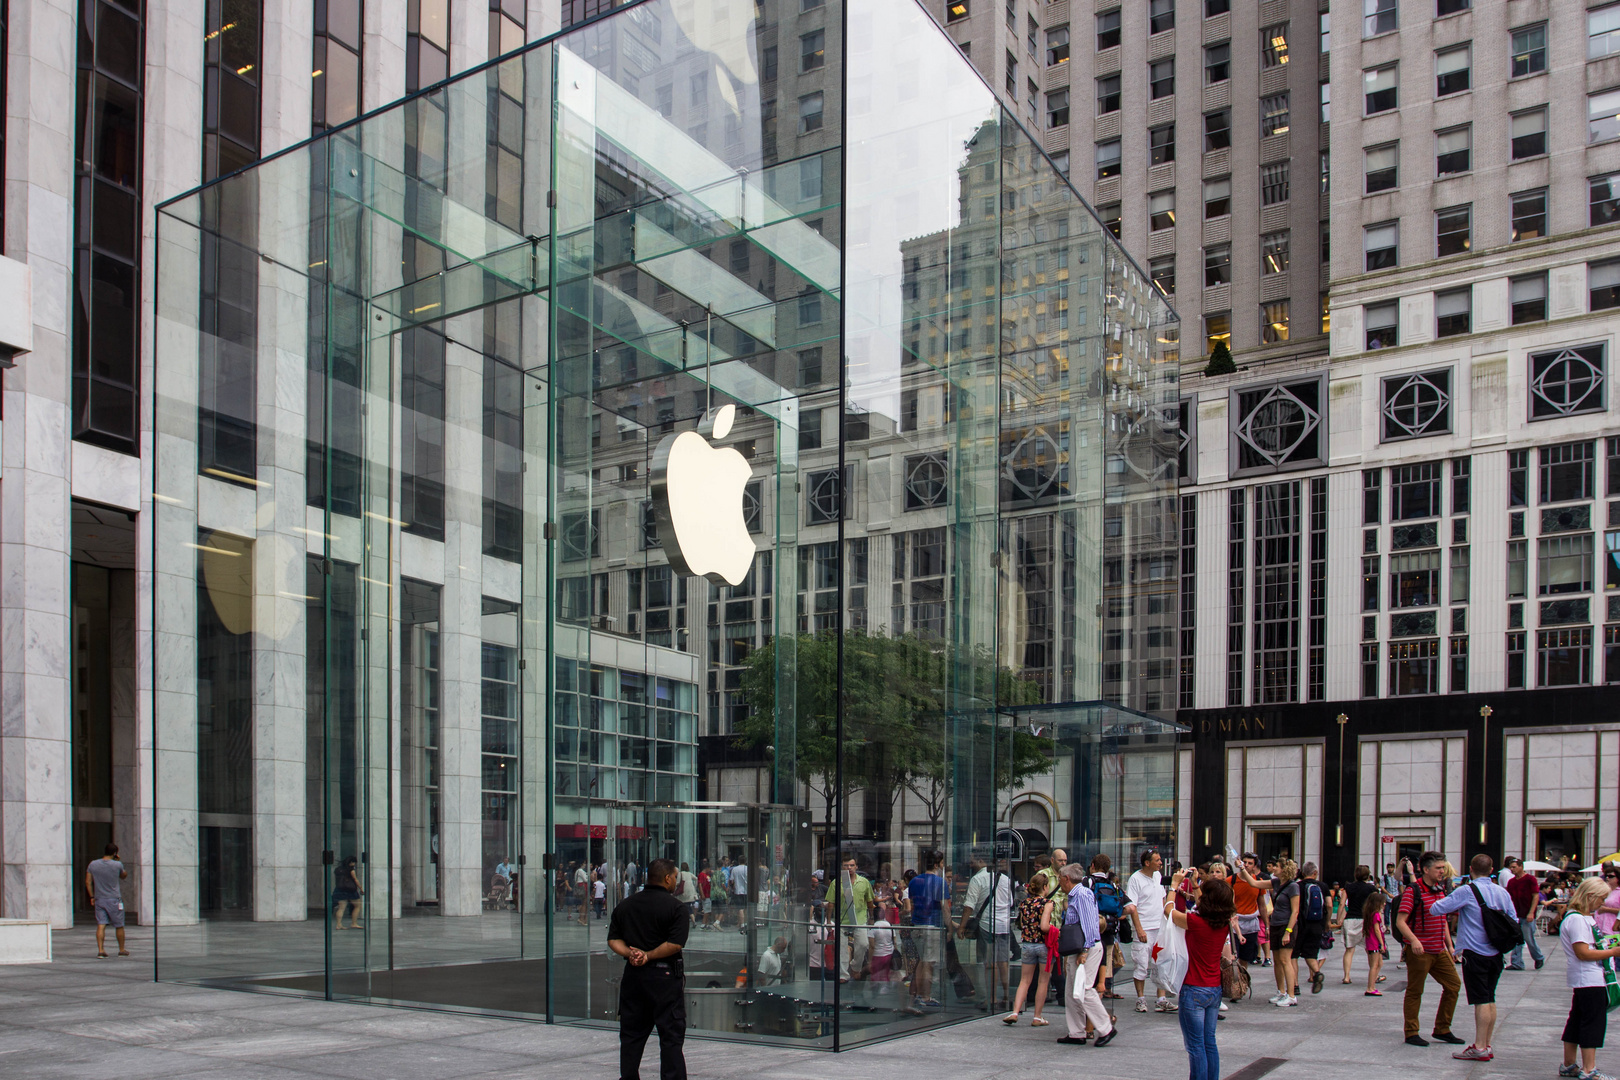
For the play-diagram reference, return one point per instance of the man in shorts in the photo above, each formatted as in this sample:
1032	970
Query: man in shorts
930	897
1355	931
1313	918
101	881
1144	895
1481	961
1247	887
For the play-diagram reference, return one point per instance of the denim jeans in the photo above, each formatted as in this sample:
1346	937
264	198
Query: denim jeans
1200	1009
1528	928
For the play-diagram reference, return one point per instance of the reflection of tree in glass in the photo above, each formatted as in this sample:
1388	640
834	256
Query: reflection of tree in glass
915	713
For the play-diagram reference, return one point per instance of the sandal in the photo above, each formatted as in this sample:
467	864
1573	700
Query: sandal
101	956
1381	978
1344	982
1010	1019
123	952
1373	993
1038	1022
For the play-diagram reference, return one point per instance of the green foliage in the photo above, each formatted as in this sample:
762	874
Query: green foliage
1220	360
916	714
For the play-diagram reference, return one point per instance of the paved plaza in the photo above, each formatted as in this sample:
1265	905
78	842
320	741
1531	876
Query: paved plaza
85	1017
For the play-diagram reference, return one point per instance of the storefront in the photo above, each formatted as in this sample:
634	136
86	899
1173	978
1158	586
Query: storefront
707	370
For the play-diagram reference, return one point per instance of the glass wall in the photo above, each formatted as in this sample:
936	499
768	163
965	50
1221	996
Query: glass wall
689	437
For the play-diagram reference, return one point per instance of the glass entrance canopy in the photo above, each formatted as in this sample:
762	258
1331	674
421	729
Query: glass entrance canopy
695	436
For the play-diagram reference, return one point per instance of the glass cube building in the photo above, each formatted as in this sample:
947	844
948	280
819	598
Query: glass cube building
716	432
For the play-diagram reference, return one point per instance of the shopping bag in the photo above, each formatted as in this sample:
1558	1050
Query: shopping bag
1170	957
1609	982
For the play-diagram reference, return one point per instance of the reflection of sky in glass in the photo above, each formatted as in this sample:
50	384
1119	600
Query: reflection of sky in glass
910	118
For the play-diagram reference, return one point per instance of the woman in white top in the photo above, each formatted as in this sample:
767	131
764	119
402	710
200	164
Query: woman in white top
1584	964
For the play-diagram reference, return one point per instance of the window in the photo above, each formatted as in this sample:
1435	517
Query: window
1032	33
1060	162
1108	214
1369	583
1529	50
1324	159
1274	115
810	367
1161	210
1414	579
1324	32
809	308
1529	214
1274	46
1515	661
1529	133
1414	406
336	96
1459	575
1611	562
1568	472
1564	564
1603	285
1325	231
1371	498
1564	657
1107	95
1217	328
1528	297
1379	243
1451	7
1057	109
1453	312
1382	167
956	10
1162	145
1414	668
1107	159
1461	469
1602	116
1162	78
1378	85
1452	228
1057	45
1274	183
1217	265
1012	75
1217	130
1161	15
1324	98
1369	669
1603	32
810	113
1108	30
1516	568
1380	17
1414	492
810	429
1451	71
1452	150
1279	425
1603	199
1163	274
1274	253
812	50
1217	63
1217	197
1564	382
1274	322
1382	322
1518	477
1213	8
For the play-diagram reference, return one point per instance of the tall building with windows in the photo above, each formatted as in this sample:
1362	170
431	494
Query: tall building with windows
1405	589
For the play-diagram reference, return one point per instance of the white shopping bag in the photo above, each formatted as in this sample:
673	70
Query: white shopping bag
1170	957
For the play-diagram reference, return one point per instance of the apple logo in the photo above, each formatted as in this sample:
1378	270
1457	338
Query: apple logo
698	500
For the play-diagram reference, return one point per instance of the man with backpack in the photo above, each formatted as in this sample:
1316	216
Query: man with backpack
1110	914
1313	917
1487	926
1427	938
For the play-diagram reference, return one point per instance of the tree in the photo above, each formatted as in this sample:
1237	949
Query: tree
1220	360
911	708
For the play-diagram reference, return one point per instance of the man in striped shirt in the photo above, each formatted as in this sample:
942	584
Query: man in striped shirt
1428	950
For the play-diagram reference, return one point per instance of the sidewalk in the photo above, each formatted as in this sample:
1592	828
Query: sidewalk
85	1017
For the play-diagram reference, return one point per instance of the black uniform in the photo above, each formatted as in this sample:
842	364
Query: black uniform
653	995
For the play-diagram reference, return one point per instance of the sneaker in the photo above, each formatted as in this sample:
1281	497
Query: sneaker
1165	1005
1223	1006
1473	1053
1569	1070
1448	1037
1141	1004
1275	998
1595	1075
1284	1002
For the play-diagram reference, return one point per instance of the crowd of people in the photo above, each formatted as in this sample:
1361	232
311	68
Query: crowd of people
934	933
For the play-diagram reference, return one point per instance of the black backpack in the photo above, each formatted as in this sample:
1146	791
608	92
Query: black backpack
1501	931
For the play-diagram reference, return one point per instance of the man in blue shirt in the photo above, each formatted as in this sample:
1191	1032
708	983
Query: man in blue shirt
930	914
1080	970
1481	962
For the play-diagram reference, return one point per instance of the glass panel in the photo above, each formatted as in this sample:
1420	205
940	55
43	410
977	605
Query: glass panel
481	639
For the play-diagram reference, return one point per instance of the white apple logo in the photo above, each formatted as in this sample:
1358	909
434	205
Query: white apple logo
698	499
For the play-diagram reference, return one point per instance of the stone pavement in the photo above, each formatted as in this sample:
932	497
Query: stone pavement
83	1017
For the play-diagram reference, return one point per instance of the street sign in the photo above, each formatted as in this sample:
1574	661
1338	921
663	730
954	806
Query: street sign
1386	839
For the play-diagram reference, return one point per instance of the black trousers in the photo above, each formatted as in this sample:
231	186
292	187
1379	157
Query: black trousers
652	996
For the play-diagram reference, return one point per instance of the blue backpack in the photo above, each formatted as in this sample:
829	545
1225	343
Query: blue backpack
1110	901
1313	903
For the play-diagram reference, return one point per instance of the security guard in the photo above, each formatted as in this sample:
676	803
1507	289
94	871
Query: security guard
649	930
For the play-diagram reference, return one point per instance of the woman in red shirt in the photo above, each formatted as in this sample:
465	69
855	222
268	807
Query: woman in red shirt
1208	926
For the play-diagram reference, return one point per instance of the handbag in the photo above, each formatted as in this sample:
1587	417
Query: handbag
1235	983
1502	932
1071	939
1610	985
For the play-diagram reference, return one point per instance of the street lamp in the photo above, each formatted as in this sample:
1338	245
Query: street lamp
1338	830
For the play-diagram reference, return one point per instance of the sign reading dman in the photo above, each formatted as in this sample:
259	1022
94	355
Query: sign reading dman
1235	726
